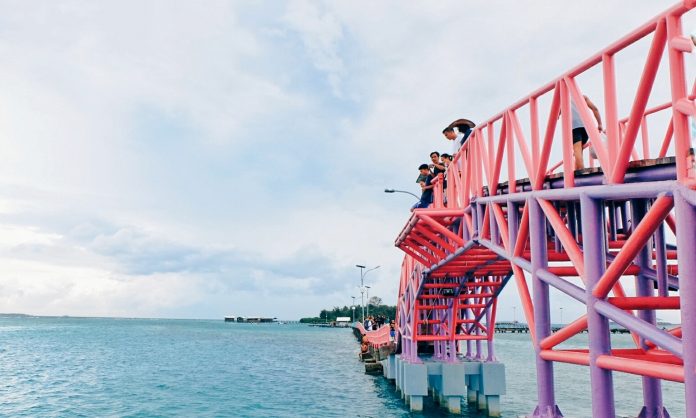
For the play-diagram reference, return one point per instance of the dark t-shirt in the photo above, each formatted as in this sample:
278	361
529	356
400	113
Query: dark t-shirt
437	171
427	195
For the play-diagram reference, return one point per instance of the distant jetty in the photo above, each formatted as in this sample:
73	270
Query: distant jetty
250	319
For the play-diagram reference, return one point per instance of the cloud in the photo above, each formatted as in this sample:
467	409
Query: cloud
321	33
231	158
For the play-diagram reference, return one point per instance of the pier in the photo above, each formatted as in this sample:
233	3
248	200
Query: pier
618	237
521	328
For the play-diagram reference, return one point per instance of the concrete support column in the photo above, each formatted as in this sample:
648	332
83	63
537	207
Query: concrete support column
481	402
415	403
454	404
594	250
494	406
472	388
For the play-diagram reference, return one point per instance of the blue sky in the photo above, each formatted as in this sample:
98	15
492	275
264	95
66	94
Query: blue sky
195	160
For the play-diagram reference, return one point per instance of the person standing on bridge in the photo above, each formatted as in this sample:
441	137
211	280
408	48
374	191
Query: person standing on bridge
427	188
580	136
458	132
436	165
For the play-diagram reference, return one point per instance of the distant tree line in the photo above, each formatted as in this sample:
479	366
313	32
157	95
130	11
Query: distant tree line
376	308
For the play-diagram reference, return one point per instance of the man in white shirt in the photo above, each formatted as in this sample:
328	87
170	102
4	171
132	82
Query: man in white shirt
458	132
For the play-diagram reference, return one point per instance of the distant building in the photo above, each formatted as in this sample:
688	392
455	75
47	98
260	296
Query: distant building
343	321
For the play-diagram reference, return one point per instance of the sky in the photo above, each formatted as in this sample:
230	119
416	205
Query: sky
187	159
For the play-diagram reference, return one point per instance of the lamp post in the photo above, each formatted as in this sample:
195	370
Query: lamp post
514	314
363	273
561	308
368	299
400	191
353	308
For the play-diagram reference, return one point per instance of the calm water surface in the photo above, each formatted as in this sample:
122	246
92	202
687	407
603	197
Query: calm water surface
60	367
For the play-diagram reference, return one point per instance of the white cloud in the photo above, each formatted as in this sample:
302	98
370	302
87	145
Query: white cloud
157	157
321	34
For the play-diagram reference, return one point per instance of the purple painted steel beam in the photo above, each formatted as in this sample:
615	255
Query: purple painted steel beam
513	223
644	329
493	226
491	328
594	237
646	190
612	220
574	291
652	388
546	406
661	261
518	261
479	350
686	243
672	281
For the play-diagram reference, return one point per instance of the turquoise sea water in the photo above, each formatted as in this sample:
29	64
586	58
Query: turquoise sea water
65	367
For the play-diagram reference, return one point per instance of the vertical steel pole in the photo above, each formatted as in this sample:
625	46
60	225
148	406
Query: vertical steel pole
479	350
491	329
661	261
594	250
686	251
652	388
362	294
513	223
572	225
468	342
542	313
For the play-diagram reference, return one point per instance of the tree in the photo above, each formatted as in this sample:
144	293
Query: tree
375	301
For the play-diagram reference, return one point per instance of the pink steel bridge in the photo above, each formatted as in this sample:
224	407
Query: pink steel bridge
619	238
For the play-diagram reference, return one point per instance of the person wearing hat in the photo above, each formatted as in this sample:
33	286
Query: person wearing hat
458	132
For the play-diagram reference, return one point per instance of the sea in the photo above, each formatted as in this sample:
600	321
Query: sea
107	367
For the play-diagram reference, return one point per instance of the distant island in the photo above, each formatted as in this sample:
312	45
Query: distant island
330	315
250	319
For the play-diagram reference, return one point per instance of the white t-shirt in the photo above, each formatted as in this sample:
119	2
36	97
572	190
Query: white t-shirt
457	142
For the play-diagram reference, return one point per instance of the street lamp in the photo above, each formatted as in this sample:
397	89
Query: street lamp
514	314
353	308
400	191
368	299
561	315
363	273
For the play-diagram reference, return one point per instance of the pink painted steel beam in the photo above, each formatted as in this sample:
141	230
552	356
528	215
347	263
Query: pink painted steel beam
635	242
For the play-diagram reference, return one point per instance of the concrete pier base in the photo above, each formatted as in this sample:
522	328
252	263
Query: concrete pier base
471	395
447	383
415	403
481	401
473	388
454	404
493	402
389	365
